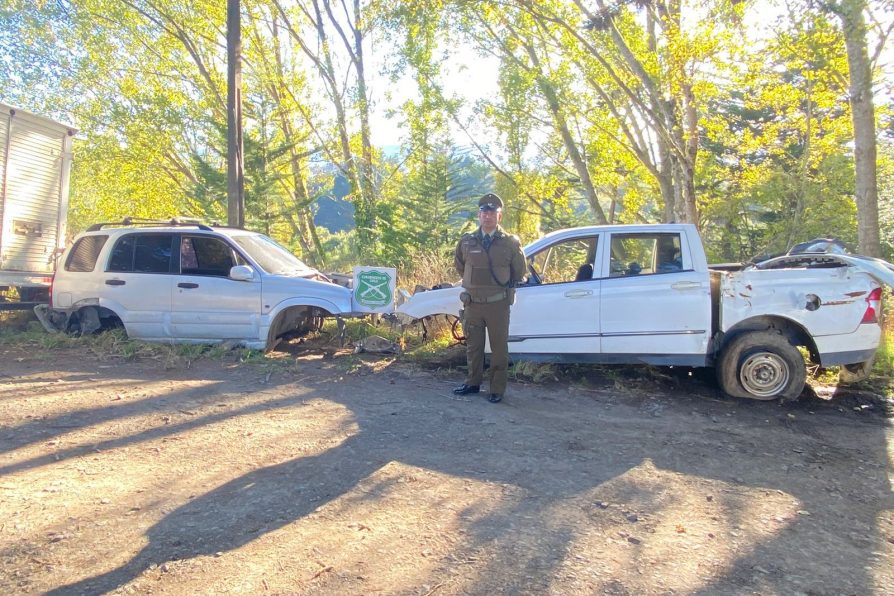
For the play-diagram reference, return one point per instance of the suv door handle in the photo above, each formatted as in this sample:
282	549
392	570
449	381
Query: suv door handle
115	282
578	293
686	285
188	286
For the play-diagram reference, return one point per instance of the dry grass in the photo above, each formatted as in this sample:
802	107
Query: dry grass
428	270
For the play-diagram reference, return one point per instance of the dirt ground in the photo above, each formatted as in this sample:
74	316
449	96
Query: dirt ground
341	474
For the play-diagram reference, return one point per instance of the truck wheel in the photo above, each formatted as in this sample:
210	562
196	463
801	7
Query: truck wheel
761	365
855	373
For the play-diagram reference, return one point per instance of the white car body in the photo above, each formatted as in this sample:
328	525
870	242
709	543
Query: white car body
266	293
676	312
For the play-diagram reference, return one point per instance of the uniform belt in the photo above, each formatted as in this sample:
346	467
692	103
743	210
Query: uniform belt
489	299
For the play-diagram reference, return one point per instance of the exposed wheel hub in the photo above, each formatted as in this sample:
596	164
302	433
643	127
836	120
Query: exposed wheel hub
764	374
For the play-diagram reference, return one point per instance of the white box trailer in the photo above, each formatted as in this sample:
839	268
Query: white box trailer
35	164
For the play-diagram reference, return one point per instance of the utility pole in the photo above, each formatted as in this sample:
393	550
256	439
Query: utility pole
235	162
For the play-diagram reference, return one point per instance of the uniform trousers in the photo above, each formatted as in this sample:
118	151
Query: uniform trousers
494	317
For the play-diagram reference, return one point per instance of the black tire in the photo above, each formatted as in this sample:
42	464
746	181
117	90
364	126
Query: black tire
761	365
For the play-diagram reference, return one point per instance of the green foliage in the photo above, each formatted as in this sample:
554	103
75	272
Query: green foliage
590	117
434	351
778	170
340	250
886	195
265	162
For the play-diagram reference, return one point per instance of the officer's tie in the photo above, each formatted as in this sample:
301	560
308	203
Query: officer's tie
487	241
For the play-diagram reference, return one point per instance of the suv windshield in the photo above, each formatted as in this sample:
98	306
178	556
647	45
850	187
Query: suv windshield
272	257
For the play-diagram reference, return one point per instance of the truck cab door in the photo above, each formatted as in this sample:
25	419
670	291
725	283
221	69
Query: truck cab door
653	301
557	311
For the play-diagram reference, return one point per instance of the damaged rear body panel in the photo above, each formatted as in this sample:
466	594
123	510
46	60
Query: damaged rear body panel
826	303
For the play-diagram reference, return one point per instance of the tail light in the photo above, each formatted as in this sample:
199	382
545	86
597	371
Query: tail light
873	305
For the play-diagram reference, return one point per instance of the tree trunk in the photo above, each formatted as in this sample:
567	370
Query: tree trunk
863	116
235	163
367	184
690	152
580	164
666	181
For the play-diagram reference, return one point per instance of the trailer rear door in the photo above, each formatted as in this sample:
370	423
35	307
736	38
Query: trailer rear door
36	157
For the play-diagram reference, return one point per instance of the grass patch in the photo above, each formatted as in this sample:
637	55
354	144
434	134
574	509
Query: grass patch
114	344
32	335
535	372
884	360
442	351
357	329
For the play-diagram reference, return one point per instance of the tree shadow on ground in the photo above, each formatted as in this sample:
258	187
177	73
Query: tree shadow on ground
565	451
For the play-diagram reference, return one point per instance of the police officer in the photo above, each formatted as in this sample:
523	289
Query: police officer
491	263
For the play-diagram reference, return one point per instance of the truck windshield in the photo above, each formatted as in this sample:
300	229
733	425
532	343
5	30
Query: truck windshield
272	257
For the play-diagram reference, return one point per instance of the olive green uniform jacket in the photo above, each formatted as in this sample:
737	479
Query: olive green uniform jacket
487	306
504	260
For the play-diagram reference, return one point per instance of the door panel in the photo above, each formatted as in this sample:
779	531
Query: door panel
556	319
206	303
650	303
559	315
137	283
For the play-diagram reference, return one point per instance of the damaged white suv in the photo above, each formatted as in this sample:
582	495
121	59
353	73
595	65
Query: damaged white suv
182	282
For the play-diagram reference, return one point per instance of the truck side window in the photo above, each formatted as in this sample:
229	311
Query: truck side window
645	254
566	261
84	254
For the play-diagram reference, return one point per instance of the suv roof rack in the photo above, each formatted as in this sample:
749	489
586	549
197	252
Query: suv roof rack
137	221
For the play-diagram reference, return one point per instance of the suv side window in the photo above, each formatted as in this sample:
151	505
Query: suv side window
84	253
142	253
122	255
203	255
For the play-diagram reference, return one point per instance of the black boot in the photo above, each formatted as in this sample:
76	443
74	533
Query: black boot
494	398
466	389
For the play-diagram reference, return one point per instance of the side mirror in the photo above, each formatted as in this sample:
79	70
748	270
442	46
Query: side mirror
242	273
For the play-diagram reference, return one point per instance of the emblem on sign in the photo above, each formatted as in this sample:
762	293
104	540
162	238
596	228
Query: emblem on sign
373	289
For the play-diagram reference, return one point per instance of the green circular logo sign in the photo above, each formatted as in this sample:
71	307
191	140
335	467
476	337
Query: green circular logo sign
373	289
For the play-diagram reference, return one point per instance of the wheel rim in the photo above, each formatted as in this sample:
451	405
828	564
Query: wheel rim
764	374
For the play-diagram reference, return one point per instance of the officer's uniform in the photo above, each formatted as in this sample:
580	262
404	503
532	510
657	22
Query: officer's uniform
487	300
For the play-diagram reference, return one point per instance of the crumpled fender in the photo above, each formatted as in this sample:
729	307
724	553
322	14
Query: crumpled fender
432	302
54	321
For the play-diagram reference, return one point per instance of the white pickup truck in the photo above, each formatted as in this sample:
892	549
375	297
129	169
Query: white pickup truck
645	294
